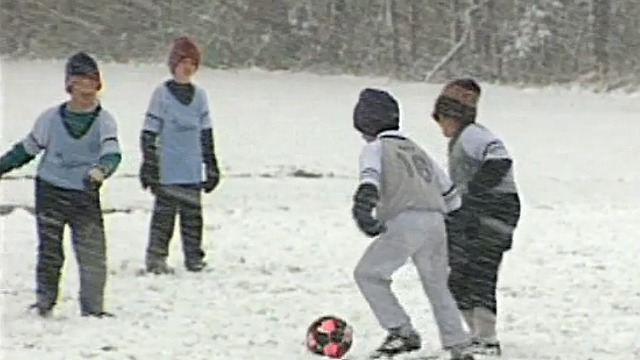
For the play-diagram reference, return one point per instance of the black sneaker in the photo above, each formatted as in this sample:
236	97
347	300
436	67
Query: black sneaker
98	314
160	268
196	266
461	352
395	344
43	310
486	347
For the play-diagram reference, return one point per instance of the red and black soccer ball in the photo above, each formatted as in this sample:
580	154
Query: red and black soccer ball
329	336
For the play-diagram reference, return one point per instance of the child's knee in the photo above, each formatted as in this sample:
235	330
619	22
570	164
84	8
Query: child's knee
363	273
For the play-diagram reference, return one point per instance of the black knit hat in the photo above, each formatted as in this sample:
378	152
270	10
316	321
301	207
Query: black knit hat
375	112
81	64
458	100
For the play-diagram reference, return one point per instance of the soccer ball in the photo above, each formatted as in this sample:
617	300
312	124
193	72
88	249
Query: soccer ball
329	336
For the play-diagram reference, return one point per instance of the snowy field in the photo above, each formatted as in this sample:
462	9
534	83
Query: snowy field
282	247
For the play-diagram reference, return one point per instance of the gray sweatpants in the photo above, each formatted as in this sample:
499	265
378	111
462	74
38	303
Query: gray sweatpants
420	236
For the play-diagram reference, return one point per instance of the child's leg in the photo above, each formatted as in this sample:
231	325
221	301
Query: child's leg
383	257
485	268
162	226
51	208
459	283
431	261
191	226
89	244
491	240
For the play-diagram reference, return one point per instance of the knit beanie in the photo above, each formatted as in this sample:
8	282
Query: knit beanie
376	111
458	100
81	64
183	48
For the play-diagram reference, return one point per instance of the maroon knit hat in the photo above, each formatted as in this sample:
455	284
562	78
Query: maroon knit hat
183	48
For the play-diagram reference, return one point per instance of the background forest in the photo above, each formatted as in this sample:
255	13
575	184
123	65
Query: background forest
532	42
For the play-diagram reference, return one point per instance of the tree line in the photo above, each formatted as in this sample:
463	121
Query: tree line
534	42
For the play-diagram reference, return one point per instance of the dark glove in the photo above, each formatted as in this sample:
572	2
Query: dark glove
149	171
149	175
364	201
213	177
210	160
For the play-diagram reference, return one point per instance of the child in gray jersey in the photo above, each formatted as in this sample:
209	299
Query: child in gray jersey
80	149
411	195
176	143
482	230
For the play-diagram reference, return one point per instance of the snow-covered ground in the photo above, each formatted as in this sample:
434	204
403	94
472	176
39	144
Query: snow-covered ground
282	248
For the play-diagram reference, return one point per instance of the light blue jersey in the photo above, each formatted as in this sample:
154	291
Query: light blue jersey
179	129
66	160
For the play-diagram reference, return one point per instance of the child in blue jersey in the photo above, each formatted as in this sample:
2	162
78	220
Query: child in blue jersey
482	230
80	149
177	142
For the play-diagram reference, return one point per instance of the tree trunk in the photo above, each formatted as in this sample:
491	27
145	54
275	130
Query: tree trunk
395	35
456	23
414	28
601	11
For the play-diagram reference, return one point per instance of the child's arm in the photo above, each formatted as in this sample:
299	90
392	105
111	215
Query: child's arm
496	163
367	194
371	164
153	123
110	154
208	147
206	135
448	189
27	149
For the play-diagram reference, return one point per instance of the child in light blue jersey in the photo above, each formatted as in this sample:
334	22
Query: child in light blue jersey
79	142
177	143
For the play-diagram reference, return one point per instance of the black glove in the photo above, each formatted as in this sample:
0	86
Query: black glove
149	171
364	201
213	178
149	175
210	161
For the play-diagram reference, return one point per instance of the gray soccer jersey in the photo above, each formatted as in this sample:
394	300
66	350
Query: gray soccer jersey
469	150
406	177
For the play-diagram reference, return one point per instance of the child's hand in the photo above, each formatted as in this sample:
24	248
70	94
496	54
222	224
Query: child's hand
371	227
213	179
364	201
94	179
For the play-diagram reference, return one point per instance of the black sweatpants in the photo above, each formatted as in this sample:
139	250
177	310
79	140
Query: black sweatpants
173	200
81	210
475	257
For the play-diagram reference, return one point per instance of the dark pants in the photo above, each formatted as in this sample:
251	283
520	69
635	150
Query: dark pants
81	210
473	278
172	200
475	256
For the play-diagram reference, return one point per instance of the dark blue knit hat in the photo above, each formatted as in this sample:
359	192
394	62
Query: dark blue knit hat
375	112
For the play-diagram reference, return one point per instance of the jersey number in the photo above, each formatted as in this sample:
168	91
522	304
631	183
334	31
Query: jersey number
416	163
